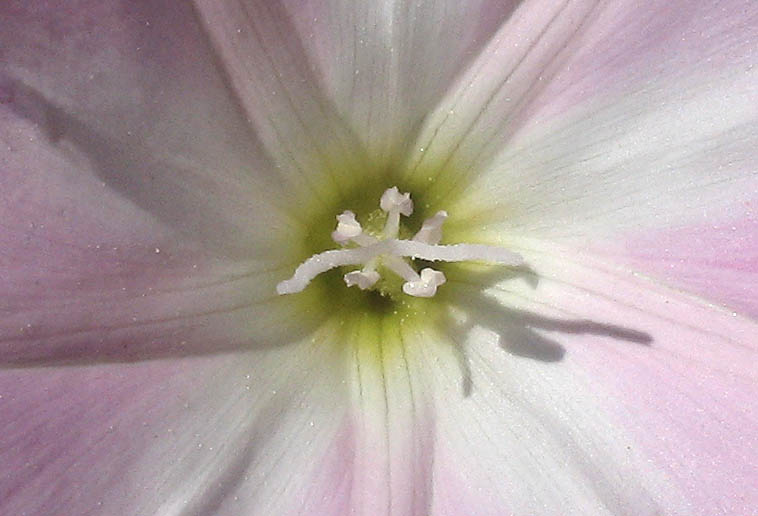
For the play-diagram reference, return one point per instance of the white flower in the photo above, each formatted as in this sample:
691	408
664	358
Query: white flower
165	165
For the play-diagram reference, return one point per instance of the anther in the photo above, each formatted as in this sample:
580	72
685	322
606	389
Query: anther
363	279
426	285
392	200
347	227
395	204
431	229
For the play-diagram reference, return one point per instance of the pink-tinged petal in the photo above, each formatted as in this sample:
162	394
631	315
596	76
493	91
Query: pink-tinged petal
130	92
385	65
330	488
650	408
71	434
649	176
677	154
575	57
718	262
624	47
120	239
218	435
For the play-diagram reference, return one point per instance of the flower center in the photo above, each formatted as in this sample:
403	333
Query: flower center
383	256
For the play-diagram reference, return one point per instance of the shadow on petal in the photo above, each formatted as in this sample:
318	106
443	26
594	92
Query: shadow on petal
216	208
518	331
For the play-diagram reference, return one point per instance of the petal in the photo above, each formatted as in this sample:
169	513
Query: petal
718	261
393	418
659	192
654	159
474	117
114	247
273	80
625	47
650	409
386	64
89	275
138	305
649	191
204	435
573	57
638	141
131	94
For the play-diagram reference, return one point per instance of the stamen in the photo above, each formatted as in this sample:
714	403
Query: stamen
334	258
395	204
363	279
391	251
364	240
393	200
431	229
426	285
347	227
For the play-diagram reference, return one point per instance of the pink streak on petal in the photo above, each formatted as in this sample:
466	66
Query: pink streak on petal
624	47
70	435
457	495
330	490
704	439
718	262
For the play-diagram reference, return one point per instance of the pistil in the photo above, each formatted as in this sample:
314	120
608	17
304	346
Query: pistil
391	252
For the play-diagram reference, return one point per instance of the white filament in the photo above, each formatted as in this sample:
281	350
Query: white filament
400	267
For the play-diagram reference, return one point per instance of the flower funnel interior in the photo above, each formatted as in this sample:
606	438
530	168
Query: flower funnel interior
382	253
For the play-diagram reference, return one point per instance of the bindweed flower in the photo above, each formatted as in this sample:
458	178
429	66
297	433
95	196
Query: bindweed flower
434	257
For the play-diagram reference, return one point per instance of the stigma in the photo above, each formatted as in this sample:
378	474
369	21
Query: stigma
385	253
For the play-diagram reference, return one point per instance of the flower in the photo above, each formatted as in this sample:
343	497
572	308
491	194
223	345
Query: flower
166	165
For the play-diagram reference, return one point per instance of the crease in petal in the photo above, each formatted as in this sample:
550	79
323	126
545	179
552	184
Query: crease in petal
460	133
157	294
270	72
395	430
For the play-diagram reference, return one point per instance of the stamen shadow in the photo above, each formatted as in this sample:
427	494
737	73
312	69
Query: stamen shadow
517	330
